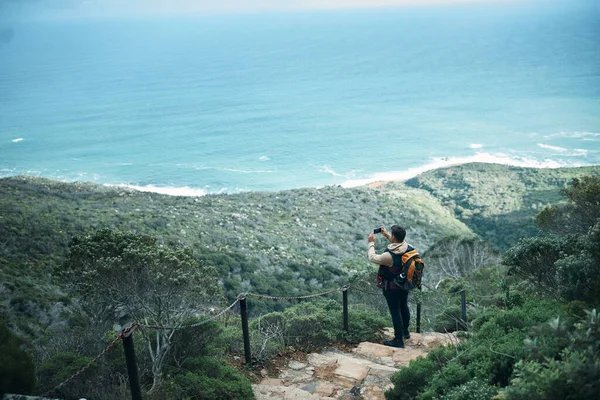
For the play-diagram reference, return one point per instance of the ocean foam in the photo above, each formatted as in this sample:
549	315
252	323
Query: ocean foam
453	161
578	153
590	136
17	140
554	148
264	158
327	169
475	146
172	191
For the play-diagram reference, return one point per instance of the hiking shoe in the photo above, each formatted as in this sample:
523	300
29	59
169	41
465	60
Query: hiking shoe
394	343
405	334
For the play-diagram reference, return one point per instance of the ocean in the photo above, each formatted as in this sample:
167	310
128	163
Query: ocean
272	101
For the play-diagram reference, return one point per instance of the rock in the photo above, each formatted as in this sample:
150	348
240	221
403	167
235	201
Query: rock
403	357
311	387
373	349
325	389
431	340
262	392
352	371
271	382
293	364
318	360
263	373
364	373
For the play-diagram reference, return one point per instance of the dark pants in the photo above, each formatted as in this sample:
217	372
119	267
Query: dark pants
397	301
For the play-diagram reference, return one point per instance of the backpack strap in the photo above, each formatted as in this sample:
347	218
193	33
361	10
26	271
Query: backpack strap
407	263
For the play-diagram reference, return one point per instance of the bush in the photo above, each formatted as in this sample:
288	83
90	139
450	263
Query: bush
410	381
17	373
573	375
450	320
207	378
473	390
487	361
452	375
364	326
309	326
61	367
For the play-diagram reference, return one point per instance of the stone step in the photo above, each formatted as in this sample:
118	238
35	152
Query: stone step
333	374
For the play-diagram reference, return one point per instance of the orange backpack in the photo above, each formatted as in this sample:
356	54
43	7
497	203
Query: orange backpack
406	273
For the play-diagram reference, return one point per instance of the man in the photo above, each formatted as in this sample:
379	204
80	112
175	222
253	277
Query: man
396	298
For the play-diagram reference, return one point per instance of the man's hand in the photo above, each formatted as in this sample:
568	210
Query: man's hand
371	238
385	233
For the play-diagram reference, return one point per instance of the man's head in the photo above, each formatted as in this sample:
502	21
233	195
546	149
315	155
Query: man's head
399	233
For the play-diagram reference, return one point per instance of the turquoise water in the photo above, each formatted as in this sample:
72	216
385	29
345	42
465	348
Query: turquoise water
277	101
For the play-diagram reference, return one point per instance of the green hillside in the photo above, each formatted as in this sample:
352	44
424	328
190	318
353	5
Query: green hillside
498	202
58	308
296	241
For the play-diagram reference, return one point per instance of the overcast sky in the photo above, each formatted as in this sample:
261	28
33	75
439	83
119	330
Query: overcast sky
91	8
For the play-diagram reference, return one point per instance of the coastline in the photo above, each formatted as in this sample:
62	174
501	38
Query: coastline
381	178
377	180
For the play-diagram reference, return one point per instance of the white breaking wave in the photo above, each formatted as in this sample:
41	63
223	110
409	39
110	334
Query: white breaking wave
578	153
475	146
172	191
17	140
327	169
555	148
242	171
264	158
452	161
593	136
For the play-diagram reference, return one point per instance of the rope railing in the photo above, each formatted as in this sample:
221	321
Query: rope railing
195	325
308	296
126	334
85	368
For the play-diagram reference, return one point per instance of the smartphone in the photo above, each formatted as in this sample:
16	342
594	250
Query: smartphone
377	230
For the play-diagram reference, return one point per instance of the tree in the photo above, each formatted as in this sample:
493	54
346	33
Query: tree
566	261
456	257
581	211
131	275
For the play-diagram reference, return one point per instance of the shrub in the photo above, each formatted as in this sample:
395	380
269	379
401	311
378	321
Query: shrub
450	320
473	390
408	382
61	367
573	375
207	378
452	375
17	373
364	326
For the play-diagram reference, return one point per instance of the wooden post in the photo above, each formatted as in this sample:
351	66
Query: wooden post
132	369
345	302
419	313
463	308
245	332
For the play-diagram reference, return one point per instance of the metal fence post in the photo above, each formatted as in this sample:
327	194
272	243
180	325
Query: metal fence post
345	302
245	331
132	369
463	308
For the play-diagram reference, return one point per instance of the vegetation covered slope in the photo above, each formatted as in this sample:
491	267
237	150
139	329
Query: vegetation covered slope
297	241
498	202
291	242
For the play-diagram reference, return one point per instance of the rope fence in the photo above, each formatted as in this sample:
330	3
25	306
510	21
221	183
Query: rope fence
197	324
85	368
126	334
